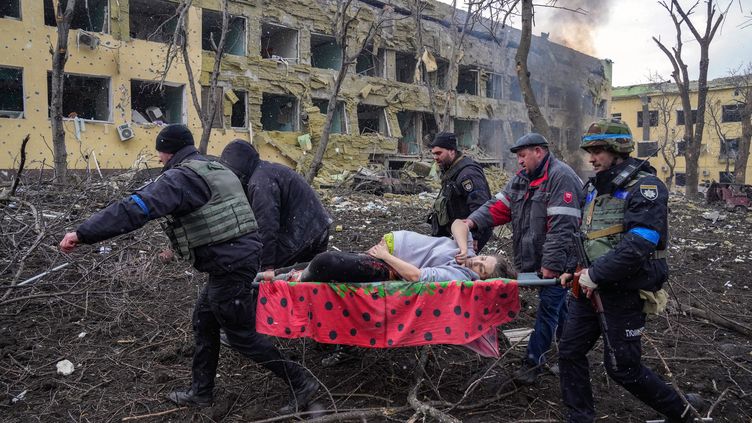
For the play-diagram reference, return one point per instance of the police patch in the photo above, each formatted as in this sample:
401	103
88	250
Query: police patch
650	192
467	184
568	197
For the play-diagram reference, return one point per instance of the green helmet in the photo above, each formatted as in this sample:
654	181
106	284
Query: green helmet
612	134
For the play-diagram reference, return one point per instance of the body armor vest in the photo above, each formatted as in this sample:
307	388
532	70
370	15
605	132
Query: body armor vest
446	207
225	216
603	220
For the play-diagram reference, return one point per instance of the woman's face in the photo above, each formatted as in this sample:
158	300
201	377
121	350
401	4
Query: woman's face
482	265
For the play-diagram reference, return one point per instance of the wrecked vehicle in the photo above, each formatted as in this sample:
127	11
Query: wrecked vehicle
736	197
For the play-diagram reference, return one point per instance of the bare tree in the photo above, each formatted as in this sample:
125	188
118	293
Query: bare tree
715	112
345	20
742	81
179	46
665	103
63	19
693	131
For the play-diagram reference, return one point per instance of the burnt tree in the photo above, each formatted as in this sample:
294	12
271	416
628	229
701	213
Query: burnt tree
63	17
693	131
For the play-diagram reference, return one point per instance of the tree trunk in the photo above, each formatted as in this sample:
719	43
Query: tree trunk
740	166
215	101
540	125
59	58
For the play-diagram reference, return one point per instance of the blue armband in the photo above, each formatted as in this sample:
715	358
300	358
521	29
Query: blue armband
647	234
144	208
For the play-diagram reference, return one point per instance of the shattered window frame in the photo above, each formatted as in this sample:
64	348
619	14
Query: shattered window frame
729	148
438	78
495	86
515	90
464	130
219	116
653	118
237	112
680	116
14	96
731	113
339	111
404	74
319	62
644	147
680	179
79	20
555	97
271	32
377	62
71	103
468	79
237	25
270	99
383	122
409	128
490	132
616	116
11	10
168	95
142	11
555	134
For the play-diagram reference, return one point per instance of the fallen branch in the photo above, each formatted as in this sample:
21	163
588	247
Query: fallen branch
421	407
20	166
720	320
146	416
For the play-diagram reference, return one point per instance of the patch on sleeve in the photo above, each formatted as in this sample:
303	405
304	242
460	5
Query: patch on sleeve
467	184
568	197
650	192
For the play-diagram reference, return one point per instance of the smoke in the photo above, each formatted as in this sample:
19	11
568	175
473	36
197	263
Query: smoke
575	26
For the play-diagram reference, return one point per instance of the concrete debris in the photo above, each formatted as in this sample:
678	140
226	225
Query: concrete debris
65	367
714	216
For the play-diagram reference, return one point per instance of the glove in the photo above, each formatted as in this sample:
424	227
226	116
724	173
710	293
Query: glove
586	281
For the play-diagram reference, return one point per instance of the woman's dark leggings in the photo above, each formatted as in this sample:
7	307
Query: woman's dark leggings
337	266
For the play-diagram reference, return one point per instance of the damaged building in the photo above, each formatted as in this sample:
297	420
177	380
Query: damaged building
276	81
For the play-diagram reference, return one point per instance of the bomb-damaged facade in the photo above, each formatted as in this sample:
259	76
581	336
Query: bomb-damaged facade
276	78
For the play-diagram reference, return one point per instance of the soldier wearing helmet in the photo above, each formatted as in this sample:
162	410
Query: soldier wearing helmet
625	226
542	203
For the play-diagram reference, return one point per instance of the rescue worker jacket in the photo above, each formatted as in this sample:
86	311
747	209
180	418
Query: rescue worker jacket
177	192
464	189
225	216
544	212
626	229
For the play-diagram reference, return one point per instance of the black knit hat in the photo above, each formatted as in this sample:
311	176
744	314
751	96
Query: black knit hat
173	138
241	158
445	140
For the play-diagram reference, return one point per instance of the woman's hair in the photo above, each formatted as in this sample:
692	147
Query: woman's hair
503	268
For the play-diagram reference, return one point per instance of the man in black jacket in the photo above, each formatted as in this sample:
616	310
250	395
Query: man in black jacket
625	224
210	223
292	223
464	189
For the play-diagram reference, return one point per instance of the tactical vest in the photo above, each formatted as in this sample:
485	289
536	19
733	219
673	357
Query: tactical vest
446	207
603	220
225	216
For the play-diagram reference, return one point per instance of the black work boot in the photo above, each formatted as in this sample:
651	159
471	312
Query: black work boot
187	397
527	374
301	395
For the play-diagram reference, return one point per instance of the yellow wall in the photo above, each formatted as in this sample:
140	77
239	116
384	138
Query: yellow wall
710	162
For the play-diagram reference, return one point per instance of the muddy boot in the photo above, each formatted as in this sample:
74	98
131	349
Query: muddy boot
187	397
696	401
527	374
301	395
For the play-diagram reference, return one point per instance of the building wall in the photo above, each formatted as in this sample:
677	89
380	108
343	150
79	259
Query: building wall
627	102
582	82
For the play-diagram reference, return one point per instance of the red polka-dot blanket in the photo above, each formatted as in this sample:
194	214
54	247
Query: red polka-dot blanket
389	314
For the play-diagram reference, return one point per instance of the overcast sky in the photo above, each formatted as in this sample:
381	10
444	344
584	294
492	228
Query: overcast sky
623	29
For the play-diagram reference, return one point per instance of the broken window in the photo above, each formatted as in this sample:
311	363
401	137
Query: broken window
438	79
681	179
681	147
408	144
519	129
218	121
372	119
467	80
465	132
726	177
647	149
494	86
150	103
89	15
339	125
278	41
370	64
405	67
325	52
555	97
680	116
10	9
279	113
729	148
86	97
539	91
555	134
653	118
616	116
152	20
428	127
211	31
515	92
11	93
489	135
732	113
239	118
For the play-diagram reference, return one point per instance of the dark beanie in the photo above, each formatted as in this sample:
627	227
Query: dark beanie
445	140
173	138
240	157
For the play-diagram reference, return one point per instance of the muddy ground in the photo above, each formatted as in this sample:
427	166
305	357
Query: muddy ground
123	319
